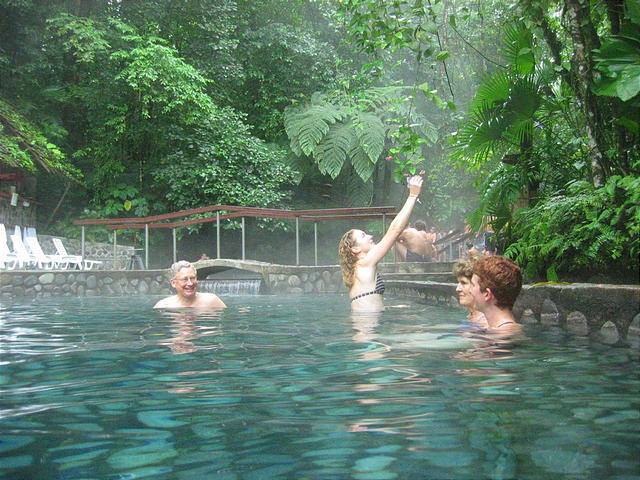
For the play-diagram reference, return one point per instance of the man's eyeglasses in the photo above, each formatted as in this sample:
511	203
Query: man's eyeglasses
186	280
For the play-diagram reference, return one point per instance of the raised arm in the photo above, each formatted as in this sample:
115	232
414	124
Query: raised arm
380	249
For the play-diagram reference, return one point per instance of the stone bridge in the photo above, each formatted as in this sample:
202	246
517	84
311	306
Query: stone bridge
276	278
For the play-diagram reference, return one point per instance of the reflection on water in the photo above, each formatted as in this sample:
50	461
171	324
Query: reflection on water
187	327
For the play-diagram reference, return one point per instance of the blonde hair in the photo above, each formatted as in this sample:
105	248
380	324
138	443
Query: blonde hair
348	259
463	268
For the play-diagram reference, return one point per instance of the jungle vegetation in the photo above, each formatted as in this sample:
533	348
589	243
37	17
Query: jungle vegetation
525	114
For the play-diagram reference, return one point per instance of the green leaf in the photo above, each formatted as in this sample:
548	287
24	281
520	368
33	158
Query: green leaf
332	151
361	162
552	275
452	21
442	56
310	125
629	124
628	84
632	10
371	134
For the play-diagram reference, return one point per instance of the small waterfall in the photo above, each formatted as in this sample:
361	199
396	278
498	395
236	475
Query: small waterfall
230	286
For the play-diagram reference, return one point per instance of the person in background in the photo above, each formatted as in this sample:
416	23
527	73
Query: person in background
185	282
360	255
414	244
472	251
495	284
204	256
463	271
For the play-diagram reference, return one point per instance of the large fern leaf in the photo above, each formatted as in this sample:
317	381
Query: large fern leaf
371	134
359	192
309	126
361	162
332	151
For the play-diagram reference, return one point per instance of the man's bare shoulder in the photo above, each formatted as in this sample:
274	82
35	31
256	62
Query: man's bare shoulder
208	300
167	302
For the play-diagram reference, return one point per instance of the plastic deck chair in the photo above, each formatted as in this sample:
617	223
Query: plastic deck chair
24	257
52	261
8	259
76	260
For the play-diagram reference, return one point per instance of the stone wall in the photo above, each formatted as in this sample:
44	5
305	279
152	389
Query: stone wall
286	279
40	284
607	313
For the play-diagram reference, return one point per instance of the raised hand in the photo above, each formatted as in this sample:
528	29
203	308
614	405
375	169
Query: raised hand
415	184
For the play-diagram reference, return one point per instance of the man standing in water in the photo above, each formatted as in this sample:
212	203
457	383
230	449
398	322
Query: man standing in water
495	285
185	282
414	245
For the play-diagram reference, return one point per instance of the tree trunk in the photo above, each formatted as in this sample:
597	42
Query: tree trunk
585	39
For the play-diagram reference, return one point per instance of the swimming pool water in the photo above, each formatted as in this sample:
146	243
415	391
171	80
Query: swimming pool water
295	387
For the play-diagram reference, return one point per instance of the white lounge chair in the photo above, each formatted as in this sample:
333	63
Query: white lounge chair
48	261
24	257
29	232
74	260
8	259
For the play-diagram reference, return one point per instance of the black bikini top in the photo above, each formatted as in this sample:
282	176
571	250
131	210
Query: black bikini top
379	289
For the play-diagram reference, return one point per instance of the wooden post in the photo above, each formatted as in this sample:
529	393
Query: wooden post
315	242
82	245
175	250
297	241
217	234
115	248
243	246
146	246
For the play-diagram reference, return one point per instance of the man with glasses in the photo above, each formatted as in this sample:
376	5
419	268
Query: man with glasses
185	282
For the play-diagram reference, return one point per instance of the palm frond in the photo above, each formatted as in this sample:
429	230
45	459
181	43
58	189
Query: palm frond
518	48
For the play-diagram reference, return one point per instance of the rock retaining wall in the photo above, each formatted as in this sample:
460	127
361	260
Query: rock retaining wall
39	284
286	279
607	313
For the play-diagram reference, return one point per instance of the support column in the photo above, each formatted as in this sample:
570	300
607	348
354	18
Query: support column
146	246
175	250
217	234
315	242
115	248
82	245
297	241
243	245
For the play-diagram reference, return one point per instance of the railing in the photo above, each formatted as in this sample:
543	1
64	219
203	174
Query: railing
160	221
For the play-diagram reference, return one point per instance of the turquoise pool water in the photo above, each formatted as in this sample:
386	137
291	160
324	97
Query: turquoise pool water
294	387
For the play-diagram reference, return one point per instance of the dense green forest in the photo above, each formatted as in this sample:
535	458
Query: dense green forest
525	114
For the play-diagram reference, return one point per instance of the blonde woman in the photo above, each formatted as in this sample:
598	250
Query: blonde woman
463	271
360	255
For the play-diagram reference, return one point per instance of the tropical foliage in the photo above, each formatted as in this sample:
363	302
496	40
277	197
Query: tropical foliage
525	114
585	229
25	147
